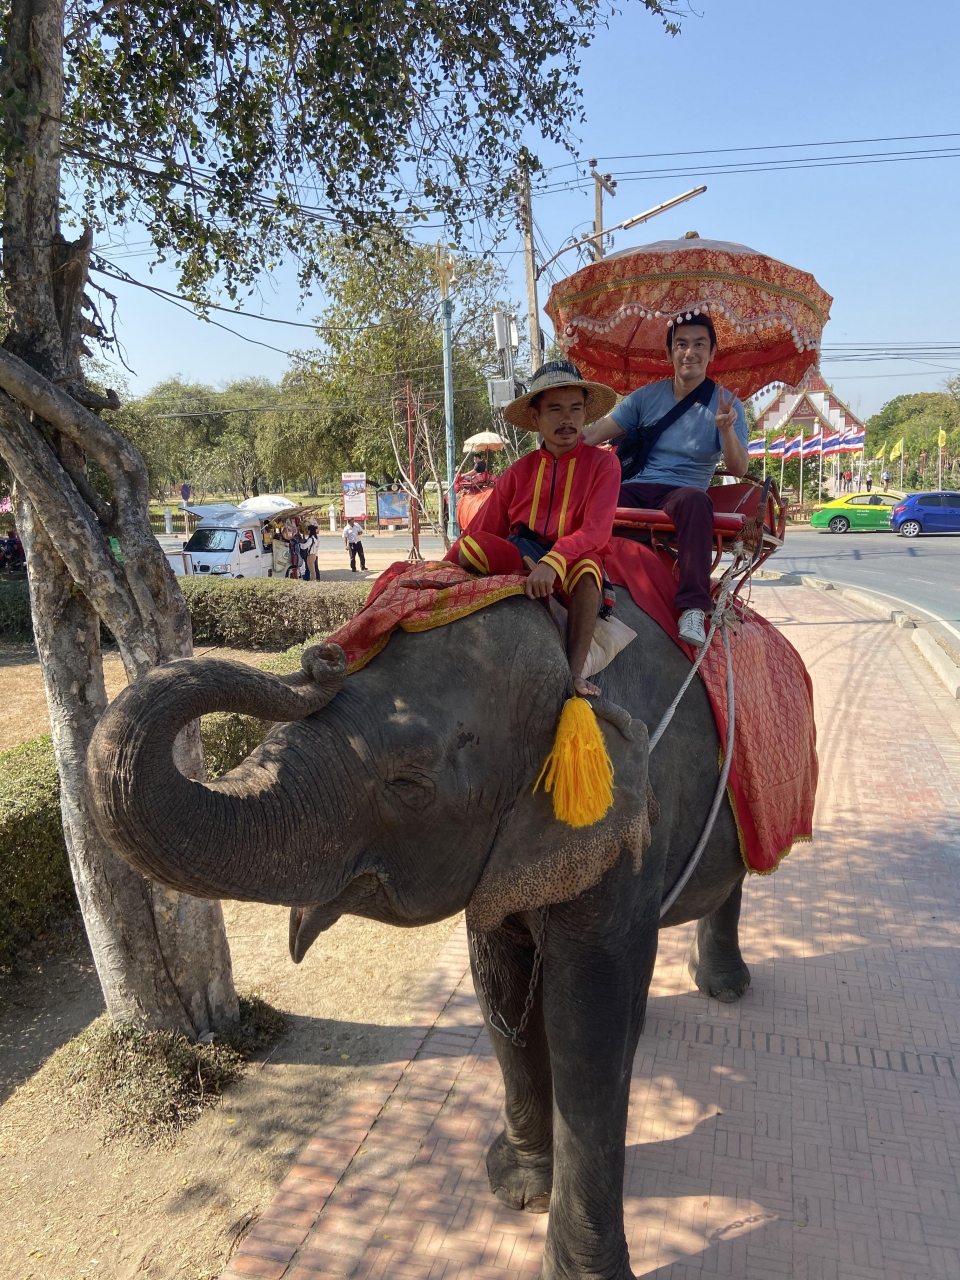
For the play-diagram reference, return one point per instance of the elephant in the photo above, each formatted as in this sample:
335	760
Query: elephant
404	793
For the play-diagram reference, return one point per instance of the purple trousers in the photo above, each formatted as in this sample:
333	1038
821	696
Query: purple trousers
692	512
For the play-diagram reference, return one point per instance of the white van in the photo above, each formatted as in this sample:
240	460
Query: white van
229	540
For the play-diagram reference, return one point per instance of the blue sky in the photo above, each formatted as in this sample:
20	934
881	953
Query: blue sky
880	238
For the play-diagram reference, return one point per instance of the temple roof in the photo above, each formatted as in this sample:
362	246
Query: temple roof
813	400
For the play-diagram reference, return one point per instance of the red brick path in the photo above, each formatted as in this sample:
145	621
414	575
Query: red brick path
809	1132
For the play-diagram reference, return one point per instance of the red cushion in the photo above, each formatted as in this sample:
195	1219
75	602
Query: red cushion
725	522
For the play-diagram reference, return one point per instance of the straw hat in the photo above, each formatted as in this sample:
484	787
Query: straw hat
560	373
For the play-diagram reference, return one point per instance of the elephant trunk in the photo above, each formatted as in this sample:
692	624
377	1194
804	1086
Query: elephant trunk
244	835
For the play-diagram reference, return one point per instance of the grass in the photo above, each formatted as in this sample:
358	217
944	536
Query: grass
145	1087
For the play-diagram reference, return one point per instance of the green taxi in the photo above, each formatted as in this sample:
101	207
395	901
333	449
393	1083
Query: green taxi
856	511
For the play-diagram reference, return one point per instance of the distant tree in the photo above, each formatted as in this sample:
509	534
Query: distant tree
919	419
382	330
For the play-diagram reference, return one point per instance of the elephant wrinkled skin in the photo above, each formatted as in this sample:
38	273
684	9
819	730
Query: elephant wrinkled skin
404	793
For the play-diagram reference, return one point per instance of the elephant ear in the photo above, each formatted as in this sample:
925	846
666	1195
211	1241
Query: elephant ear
538	860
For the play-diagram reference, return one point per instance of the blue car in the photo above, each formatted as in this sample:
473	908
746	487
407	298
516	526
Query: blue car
926	513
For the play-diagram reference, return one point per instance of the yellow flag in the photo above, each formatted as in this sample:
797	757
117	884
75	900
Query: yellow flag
881	455
897	450
942	442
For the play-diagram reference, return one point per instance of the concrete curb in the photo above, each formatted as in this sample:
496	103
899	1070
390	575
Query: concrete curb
931	640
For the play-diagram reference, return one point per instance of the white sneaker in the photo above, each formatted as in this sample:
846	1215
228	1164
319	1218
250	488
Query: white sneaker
691	627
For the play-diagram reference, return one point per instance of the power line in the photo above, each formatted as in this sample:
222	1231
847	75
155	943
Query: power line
763	166
125	278
773	146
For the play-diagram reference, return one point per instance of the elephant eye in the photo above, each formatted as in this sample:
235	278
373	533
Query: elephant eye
413	790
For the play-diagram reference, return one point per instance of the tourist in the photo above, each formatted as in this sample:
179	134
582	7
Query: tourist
310	546
352	536
676	432
552	511
885	478
869	481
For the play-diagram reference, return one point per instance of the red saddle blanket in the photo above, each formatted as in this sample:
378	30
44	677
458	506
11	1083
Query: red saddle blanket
772	785
417	598
773	777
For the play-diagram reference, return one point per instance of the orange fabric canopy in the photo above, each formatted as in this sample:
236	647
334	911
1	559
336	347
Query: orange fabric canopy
611	317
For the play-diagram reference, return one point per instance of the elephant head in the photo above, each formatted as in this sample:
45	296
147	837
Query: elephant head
402	792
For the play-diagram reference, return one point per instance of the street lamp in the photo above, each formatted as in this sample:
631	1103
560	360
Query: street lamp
446	269
623	226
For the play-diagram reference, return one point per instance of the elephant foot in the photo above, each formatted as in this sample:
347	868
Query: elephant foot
723	980
519	1182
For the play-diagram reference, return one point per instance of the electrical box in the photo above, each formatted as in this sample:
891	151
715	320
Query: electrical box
500	392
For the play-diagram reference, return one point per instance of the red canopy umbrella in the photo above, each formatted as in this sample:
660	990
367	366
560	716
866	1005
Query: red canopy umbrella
611	317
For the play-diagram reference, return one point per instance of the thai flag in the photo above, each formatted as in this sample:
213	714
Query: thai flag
831	445
812	447
852	442
794	447
777	447
756	448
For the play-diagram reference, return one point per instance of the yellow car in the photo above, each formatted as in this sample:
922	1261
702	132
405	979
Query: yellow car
856	511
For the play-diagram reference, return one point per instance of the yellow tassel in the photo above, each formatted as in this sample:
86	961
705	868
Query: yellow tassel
578	770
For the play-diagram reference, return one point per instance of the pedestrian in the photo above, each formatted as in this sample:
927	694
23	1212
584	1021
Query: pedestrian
352	536
849	479
869	481
310	546
885	478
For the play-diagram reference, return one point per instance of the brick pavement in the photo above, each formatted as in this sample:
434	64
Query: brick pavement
811	1131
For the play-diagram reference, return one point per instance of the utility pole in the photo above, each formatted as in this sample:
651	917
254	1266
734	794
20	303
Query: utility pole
446	269
601	182
533	308
412	477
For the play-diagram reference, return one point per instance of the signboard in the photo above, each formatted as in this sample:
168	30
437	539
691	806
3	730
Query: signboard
354	494
393	506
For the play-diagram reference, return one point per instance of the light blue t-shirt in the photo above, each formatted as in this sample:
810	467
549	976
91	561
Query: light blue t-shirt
688	451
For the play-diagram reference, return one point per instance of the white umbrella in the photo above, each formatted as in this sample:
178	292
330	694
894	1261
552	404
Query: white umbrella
484	440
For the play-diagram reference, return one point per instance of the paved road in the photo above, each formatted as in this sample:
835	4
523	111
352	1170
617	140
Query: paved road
924	571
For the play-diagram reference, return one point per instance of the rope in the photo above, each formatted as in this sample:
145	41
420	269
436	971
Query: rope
695	857
717	623
715	620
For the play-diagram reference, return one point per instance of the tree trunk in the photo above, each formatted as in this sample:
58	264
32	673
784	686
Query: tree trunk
162	958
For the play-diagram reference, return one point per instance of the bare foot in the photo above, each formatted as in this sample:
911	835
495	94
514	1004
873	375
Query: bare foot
584	689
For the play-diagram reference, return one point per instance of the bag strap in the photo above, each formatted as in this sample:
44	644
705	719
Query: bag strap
634	451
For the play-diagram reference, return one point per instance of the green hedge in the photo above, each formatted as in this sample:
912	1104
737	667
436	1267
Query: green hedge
245	612
15	621
35	881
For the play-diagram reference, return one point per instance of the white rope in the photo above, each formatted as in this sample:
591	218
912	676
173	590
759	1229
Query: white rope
715	620
695	857
717	623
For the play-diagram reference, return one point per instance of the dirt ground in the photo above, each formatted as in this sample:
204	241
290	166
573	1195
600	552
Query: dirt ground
74	1209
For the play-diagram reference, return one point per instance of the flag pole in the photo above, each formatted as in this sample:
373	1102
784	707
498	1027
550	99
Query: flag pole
820	481
801	464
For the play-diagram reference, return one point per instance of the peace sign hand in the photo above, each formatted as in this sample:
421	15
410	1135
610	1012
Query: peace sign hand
726	415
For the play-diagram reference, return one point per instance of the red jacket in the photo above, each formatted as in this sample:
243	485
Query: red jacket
570	501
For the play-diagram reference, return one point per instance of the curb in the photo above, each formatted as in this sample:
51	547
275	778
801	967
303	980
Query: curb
929	638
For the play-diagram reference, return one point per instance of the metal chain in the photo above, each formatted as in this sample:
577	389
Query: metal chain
497	1020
